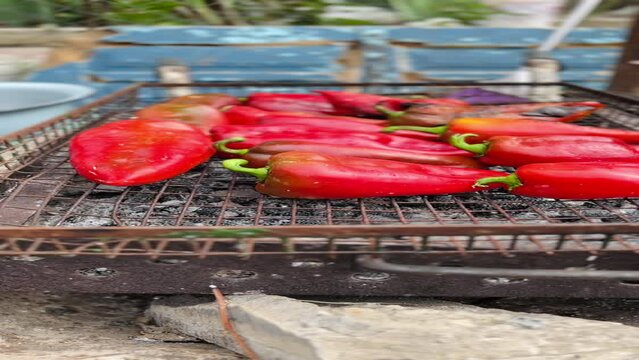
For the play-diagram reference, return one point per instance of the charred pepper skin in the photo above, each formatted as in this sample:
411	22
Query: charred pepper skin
304	175
259	155
367	105
486	128
521	150
572	181
137	152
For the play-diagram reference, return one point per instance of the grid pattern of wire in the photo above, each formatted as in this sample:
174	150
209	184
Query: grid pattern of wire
40	188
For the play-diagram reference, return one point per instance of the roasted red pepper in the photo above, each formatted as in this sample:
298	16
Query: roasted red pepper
522	150
574	181
367	105
136	152
422	115
258	134
260	154
433	115
554	111
217	101
308	103
246	115
306	175
486	128
203	117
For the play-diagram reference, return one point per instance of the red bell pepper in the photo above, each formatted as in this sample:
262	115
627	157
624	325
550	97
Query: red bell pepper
305	175
574	181
216	101
258	134
136	152
203	117
260	154
486	128
366	105
521	150
308	103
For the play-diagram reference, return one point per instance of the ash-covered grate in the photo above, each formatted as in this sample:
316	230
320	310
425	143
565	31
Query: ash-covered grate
40	188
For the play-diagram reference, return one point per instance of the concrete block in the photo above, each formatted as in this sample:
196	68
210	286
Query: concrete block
281	328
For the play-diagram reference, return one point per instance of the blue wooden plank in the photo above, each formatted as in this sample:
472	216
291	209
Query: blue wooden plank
299	58
149	75
166	35
507	59
471	75
473	36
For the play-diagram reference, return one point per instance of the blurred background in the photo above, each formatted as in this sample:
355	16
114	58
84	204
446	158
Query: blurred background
109	44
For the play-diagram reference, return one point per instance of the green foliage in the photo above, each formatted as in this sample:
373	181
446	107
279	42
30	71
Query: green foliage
465	11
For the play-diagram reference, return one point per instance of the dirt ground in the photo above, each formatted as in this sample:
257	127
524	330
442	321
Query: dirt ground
112	327
90	327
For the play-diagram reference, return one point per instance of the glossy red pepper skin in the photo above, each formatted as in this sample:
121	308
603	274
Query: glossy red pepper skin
423	115
521	150
308	103
258	134
203	117
137	152
486	128
259	155
573	181
304	175
246	115
216	101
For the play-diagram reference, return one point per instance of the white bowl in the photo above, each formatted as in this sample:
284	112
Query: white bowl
24	104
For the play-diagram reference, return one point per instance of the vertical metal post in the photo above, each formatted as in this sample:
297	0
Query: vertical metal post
626	78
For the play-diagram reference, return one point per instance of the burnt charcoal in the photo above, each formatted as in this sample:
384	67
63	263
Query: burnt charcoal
87	221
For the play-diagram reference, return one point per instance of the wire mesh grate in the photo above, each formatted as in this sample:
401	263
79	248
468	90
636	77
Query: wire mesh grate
41	189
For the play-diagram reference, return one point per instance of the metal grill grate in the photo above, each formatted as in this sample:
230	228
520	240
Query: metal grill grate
40	190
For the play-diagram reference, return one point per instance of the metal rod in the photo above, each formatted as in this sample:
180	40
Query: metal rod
377	264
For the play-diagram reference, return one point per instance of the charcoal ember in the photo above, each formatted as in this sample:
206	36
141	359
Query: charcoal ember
88	221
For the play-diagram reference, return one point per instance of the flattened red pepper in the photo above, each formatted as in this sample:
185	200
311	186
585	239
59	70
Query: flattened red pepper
260	154
433	115
367	105
203	117
137	152
246	115
306	175
258	134
574	181
553	111
521	150
308	103
486	128
216	101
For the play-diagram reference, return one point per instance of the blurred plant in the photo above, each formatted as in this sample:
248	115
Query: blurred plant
160	12
465	11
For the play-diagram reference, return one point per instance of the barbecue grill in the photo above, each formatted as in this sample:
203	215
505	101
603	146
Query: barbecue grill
60	232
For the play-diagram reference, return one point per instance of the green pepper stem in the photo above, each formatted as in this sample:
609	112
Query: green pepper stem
432	130
512	181
237	165
388	112
221	146
459	141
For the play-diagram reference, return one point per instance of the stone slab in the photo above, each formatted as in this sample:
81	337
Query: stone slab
282	328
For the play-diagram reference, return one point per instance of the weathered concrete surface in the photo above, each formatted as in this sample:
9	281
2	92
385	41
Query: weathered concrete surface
79	327
281	328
